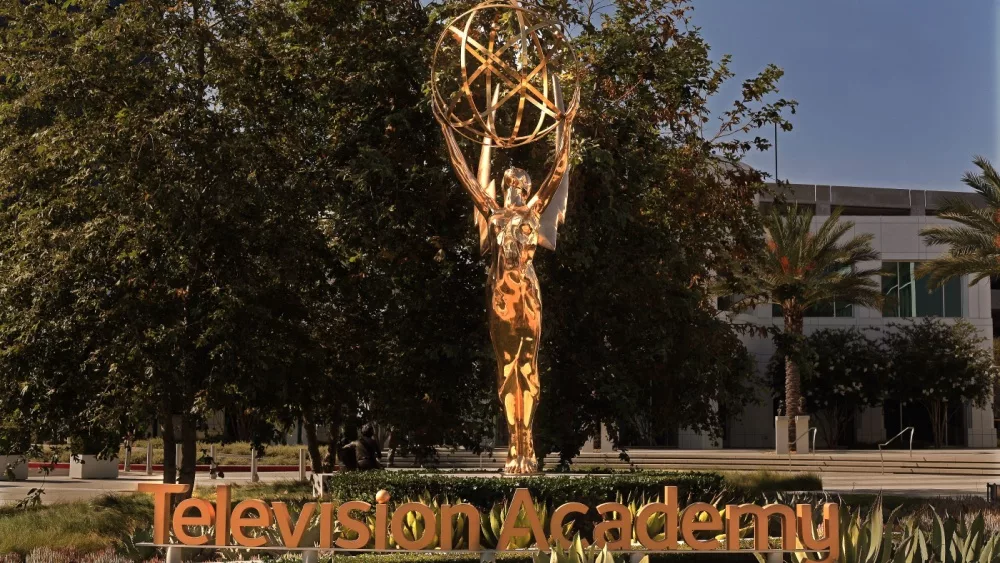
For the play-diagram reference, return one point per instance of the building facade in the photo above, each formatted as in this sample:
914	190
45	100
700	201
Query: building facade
894	218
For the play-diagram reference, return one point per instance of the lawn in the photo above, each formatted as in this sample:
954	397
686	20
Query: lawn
235	453
85	525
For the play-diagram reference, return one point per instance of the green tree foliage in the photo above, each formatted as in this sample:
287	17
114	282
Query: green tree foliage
656	205
941	366
211	204
658	202
801	268
974	243
161	175
842	371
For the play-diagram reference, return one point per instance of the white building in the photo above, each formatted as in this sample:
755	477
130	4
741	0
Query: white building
894	218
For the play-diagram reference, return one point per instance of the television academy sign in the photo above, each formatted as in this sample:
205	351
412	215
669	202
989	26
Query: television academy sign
237	522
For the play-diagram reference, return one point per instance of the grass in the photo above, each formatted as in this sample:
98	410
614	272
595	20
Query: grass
235	453
83	525
765	481
287	491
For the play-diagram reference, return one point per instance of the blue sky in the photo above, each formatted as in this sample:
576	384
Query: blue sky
892	93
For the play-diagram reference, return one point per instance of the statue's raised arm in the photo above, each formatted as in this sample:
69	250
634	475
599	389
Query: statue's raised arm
484	204
552	197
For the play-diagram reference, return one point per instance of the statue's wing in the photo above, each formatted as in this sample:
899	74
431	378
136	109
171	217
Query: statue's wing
555	213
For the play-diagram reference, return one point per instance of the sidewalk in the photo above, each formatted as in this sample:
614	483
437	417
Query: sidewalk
60	488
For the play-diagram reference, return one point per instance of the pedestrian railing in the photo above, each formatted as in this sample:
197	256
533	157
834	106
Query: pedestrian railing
890	440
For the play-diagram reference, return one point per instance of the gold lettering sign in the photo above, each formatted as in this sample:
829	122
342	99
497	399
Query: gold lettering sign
700	525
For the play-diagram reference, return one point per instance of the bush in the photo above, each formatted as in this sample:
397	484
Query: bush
940	366
484	492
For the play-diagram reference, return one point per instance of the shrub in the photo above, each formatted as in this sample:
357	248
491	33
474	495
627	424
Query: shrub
939	366
484	492
842	371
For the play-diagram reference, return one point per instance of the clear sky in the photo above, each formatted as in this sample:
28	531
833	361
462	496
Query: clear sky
892	93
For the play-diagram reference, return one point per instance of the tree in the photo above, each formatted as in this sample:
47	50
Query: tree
973	244
211	204
803	268
940	366
163	178
842	371
657	203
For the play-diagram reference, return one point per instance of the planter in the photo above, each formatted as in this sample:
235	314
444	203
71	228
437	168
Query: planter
802	427
781	435
20	470
89	467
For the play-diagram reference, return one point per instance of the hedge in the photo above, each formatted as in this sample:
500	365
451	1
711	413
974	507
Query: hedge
484	492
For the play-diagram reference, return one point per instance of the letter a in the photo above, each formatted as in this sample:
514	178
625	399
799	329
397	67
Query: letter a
522	501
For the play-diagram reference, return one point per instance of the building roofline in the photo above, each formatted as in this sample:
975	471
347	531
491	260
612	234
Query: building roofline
864	197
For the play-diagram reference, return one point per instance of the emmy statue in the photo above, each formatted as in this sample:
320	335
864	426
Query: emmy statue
504	67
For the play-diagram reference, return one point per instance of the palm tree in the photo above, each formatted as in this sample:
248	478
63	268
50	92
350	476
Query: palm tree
802	269
974	244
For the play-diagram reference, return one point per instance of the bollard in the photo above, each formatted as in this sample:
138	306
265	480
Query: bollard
253	466
149	457
128	456
174	554
302	465
311	556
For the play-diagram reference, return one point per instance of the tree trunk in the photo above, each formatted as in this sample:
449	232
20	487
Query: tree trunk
312	444
937	421
169	447
793	387
391	462
189	452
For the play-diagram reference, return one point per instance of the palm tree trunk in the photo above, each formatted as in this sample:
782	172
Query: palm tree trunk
793	387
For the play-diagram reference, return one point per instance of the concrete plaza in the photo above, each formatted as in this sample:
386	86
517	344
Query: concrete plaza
924	473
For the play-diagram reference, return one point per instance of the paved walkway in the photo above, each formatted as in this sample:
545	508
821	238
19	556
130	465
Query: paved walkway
60	488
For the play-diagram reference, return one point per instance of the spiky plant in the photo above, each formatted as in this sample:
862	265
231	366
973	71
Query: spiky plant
974	243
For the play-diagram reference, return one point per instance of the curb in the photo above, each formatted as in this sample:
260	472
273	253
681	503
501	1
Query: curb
201	468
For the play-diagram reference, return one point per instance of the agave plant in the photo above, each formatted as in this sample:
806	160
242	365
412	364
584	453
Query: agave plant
414	524
952	541
576	553
491	526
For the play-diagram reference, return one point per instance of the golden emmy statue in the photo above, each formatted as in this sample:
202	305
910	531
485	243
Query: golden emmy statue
504	66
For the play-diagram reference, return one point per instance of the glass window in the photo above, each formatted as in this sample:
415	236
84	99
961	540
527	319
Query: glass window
909	296
825	309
